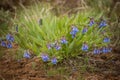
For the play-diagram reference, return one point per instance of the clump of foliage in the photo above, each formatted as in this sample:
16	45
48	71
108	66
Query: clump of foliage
5	17
60	37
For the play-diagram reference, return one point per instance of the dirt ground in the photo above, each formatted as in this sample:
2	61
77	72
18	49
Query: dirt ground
105	67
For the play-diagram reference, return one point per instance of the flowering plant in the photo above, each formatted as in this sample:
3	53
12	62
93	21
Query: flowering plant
57	36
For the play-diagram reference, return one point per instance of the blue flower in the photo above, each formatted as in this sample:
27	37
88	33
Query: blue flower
3	44
8	37
104	50
108	49
11	39
9	45
74	31
57	47
96	51
106	39
54	61
26	54
91	23
63	40
85	47
84	30
102	24
45	57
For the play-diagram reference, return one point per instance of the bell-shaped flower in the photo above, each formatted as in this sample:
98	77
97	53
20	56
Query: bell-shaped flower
63	40
91	22
96	51
106	39
57	47
84	30
74	30
26	54
11	39
8	37
85	47
45	57
102	24
3	44
9	45
104	50
54	61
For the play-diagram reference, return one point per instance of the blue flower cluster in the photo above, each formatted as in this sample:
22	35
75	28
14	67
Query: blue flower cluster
10	38
54	61
102	24
3	43
106	39
91	22
56	44
102	50
84	47
96	51
57	47
63	40
106	50
46	58
84	30
74	31
9	45
8	42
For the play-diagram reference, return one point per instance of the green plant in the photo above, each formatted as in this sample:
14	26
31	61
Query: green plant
5	17
32	35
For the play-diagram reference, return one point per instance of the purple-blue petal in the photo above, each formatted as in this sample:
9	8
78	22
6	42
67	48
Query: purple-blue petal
54	61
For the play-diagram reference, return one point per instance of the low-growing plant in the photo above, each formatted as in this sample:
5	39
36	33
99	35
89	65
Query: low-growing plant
5	18
59	36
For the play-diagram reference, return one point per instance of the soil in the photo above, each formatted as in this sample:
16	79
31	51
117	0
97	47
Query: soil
99	67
